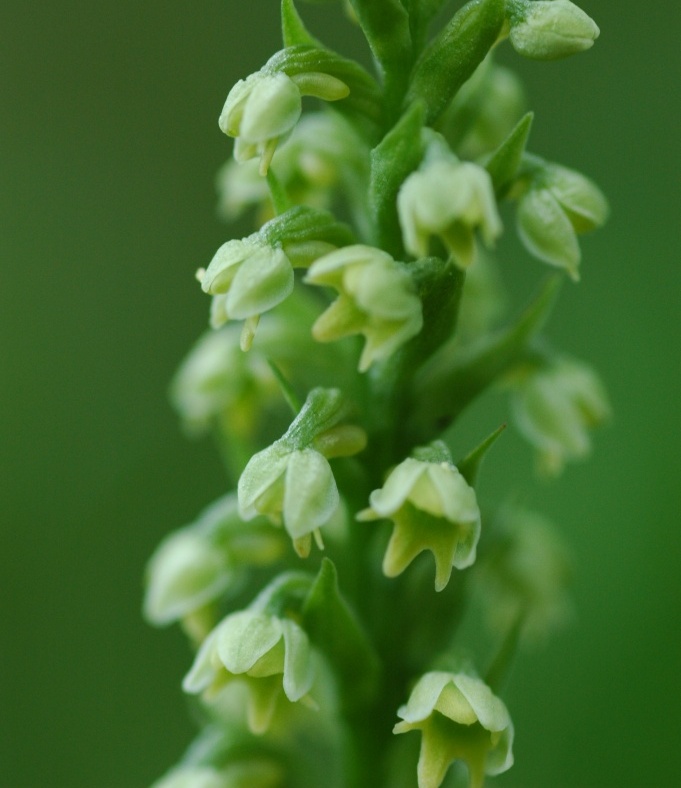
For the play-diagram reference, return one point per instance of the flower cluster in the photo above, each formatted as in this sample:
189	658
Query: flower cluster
376	264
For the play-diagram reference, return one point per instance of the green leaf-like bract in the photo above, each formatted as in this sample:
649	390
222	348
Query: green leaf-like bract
335	630
397	155
450	59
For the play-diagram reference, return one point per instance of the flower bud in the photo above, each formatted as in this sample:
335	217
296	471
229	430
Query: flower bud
271	654
555	407
376	298
450	199
550	29
260	110
460	719
432	508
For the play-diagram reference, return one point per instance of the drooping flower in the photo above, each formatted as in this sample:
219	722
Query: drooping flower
377	298
559	205
263	109
460	719
271	654
196	565
432	508
555	407
291	481
550	29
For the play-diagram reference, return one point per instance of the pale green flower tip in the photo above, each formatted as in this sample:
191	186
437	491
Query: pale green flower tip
482	735
192	777
551	29
185	573
294	485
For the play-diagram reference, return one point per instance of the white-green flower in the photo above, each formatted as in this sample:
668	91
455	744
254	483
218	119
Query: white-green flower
289	485
459	719
432	508
449	199
247	277
550	29
196	565
271	655
377	299
555	408
217	381
560	204
263	109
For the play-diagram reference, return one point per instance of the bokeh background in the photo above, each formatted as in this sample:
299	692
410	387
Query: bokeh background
108	149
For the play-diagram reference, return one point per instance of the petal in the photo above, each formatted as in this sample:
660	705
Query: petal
272	108
546	231
298	664
310	495
244	637
204	670
261	472
490	710
263	280
397	487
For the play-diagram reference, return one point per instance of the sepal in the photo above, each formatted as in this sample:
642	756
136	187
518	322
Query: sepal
377	298
432	508
459	719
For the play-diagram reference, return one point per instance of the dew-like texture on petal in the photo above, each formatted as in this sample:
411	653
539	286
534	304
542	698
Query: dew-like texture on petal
546	231
261	472
298	664
244	637
261	282
397	487
272	109
310	495
205	668
233	110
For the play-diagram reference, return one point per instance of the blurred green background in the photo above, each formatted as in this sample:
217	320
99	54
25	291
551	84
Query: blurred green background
108	150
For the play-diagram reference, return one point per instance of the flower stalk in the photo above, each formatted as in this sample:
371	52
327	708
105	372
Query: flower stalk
350	330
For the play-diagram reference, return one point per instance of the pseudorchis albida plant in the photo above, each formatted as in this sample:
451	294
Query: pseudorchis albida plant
328	593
